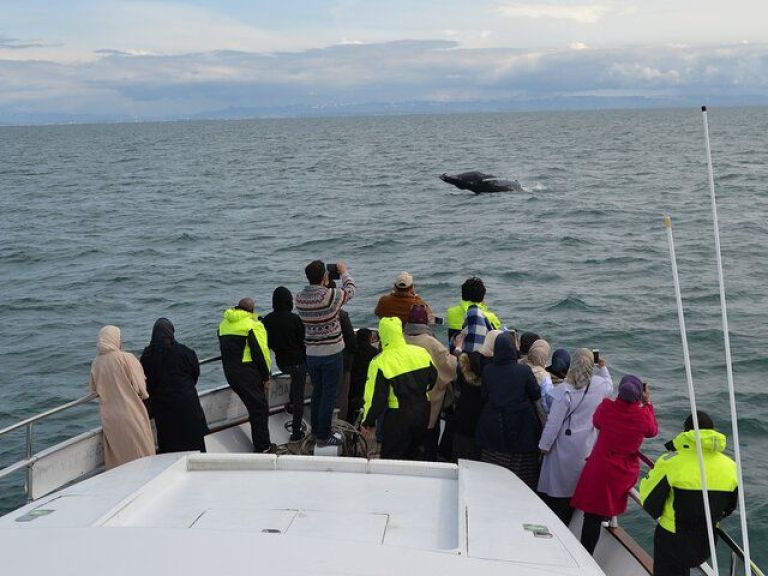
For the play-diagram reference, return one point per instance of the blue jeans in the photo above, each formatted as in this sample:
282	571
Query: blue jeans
325	374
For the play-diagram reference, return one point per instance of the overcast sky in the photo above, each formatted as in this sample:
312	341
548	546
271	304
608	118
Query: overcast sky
164	59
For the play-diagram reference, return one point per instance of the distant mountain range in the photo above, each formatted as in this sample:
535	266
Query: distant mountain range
394	108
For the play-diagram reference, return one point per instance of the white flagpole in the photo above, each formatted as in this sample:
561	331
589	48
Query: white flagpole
692	395
728	361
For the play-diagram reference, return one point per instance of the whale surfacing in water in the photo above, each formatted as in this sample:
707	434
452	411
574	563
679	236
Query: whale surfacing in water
481	183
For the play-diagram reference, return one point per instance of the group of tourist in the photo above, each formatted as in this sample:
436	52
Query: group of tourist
487	394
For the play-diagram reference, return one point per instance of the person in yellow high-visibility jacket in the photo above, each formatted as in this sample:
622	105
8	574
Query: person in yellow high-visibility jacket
399	379
247	367
672	493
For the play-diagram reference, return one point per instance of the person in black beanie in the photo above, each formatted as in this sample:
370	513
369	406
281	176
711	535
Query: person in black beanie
285	332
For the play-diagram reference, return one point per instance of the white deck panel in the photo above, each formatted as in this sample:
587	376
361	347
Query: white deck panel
418	512
236	513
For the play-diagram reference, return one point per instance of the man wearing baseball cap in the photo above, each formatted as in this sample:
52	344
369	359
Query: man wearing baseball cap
399	301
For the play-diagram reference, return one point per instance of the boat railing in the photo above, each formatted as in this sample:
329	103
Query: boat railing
223	412
736	553
27	463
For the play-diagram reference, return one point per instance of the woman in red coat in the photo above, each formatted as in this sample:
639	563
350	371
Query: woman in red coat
612	469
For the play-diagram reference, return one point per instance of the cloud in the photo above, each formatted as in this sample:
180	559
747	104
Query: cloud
178	85
17	44
581	13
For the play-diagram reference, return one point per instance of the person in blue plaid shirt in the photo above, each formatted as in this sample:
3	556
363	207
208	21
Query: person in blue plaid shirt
476	322
475	328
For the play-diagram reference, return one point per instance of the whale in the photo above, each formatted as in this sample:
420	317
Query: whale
481	183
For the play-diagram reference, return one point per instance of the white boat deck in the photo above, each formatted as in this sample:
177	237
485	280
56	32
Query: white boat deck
237	513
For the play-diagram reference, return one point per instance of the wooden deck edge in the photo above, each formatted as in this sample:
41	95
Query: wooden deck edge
637	551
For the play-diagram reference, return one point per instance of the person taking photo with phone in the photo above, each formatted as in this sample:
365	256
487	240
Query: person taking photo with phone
318	307
613	466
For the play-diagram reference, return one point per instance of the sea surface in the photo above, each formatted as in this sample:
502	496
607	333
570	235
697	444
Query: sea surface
125	223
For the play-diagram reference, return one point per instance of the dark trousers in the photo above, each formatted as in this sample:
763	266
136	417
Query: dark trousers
445	447
404	431
675	555
560	506
431	440
248	386
298	374
325	374
590	531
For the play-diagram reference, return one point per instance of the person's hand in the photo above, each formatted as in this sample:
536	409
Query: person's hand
543	452
646	397
368	432
341	267
601	362
267	386
458	342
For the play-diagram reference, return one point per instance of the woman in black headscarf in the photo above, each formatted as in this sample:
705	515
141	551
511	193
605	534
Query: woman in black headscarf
172	370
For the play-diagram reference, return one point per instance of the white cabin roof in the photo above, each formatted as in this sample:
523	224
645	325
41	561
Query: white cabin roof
237	513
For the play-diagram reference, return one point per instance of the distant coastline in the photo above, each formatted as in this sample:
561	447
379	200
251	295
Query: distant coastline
405	108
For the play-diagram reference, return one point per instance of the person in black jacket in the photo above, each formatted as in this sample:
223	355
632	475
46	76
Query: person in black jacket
350	347
367	346
172	371
285	332
469	402
509	428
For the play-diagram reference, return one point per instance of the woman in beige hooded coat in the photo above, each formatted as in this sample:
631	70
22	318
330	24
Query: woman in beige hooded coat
117	378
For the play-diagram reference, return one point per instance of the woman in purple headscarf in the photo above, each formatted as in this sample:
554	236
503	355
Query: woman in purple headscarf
613	466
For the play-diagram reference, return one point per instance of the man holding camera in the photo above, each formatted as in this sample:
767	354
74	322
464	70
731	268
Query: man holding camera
318	307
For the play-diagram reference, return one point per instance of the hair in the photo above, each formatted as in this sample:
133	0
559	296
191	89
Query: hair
246	304
705	422
315	272
473	290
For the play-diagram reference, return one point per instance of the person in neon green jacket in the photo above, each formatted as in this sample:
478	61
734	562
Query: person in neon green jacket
399	379
472	294
672	493
247	366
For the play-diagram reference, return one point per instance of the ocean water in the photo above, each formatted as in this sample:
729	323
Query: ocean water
125	223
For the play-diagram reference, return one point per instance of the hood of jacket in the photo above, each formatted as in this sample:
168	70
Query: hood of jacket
162	334
711	441
282	299
391	333
108	340
504	350
234	315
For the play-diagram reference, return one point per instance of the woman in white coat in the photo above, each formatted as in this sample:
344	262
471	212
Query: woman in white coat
569	434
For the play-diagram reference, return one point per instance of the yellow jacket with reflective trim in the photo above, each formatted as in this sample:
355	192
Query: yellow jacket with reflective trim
456	314
240	323
399	377
672	490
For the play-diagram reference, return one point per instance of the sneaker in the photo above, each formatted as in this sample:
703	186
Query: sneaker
332	440
297	436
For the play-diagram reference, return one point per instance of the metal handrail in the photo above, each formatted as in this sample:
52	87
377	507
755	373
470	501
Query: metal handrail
43	415
28	423
736	550
72	404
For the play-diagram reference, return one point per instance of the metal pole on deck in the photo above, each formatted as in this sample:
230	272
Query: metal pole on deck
692	395
727	343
